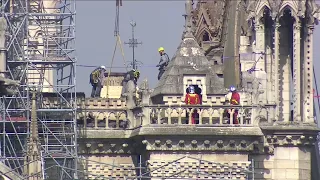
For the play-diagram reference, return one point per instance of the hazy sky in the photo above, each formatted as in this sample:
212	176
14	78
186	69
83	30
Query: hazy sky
159	23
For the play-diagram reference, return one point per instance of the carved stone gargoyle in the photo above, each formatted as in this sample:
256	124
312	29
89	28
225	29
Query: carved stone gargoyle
145	93
8	86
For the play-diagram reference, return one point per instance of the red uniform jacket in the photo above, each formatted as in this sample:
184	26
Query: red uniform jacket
192	99
235	98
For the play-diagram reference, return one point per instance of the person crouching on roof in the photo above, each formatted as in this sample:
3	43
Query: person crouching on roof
96	81
235	100
192	99
132	75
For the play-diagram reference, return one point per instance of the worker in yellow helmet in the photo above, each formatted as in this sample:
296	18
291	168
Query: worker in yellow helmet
164	61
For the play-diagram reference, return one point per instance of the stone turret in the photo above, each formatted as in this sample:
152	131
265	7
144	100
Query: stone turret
189	66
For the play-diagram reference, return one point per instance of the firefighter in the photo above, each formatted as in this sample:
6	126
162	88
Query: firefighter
96	80
235	100
192	99
163	63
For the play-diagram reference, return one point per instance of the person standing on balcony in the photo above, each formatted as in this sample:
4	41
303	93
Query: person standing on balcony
96	80
235	100
192	99
163	63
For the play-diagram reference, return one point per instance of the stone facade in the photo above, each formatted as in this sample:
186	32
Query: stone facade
274	140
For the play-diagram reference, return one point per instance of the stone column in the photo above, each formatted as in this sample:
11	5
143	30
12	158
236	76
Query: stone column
308	115
3	64
260	74
260	46
296	72
276	88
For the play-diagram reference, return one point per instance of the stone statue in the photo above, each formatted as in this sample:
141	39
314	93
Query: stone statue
129	89
144	93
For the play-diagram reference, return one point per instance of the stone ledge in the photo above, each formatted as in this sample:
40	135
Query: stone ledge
8	173
171	130
96	134
200	130
299	128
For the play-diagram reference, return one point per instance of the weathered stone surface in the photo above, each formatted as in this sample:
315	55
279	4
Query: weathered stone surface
188	60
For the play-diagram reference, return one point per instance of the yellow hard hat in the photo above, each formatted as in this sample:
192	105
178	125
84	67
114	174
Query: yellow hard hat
136	74
161	49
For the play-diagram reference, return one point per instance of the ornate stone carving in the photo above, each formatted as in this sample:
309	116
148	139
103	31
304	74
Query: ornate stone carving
246	22
270	141
275	7
144	93
103	170
209	17
198	145
99	147
196	168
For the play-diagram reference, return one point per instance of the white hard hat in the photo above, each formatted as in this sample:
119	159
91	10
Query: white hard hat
102	67
232	88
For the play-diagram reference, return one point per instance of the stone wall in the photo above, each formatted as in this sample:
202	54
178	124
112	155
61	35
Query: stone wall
108	166
198	165
292	163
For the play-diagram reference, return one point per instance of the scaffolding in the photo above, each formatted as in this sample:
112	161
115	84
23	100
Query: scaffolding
40	54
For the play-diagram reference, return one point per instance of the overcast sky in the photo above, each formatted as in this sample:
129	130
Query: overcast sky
159	23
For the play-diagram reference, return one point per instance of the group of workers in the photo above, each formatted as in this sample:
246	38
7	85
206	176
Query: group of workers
97	79
192	97
97	76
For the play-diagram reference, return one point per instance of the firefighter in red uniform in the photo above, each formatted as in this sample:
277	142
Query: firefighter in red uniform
235	100
192	99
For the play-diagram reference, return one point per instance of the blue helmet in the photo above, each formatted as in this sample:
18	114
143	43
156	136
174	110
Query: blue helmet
191	89
232	89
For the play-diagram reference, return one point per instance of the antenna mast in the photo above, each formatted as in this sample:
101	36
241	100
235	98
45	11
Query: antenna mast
133	43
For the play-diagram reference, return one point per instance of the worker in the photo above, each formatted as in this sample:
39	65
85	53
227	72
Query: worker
235	100
136	75
192	99
163	63
130	75
96	80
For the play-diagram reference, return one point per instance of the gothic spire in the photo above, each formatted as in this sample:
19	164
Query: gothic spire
188	23
33	156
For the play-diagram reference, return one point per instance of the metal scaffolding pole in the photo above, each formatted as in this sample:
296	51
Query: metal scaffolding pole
40	53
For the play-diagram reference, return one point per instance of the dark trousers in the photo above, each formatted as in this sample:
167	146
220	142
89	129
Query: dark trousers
161	71
96	90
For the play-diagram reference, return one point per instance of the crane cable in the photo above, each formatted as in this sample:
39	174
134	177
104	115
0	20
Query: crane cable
118	42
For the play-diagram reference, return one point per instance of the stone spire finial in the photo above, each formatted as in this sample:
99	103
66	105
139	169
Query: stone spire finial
34	123
188	23
33	157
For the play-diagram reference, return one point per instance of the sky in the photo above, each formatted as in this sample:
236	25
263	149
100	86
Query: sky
158	23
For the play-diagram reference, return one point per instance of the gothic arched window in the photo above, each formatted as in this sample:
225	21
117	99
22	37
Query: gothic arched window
205	36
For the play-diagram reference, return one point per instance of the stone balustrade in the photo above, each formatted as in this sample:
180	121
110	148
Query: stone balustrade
103	119
210	115
215	115
85	103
